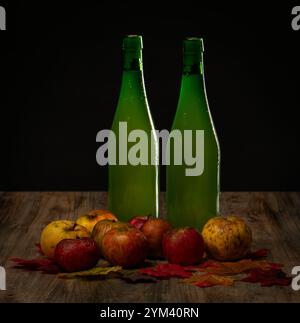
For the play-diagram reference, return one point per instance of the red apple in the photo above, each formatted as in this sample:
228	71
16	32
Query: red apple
139	221
154	230
125	247
77	254
102	227
183	246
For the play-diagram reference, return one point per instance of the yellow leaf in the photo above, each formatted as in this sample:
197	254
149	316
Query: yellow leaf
96	271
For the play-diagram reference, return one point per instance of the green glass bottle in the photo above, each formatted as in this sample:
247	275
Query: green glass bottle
192	200
133	188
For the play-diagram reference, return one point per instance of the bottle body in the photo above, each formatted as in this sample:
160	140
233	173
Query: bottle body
133	184
192	200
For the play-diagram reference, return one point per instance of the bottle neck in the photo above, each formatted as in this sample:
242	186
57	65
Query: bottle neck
132	60
193	64
192	82
133	79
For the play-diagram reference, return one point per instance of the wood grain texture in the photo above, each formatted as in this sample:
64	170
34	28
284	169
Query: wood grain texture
274	219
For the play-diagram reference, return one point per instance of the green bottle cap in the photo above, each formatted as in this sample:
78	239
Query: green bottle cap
193	45
133	43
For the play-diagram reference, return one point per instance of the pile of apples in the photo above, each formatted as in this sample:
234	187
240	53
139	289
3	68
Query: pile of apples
78	245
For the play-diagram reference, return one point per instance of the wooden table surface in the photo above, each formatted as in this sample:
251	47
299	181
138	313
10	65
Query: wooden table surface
273	217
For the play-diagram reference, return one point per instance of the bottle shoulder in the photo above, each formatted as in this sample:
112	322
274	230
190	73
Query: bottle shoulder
136	114
193	113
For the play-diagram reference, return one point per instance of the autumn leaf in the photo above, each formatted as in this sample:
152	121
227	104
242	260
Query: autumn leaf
166	271
45	265
267	277
133	276
96	271
32	263
260	253
242	266
217	273
209	280
253	255
202	266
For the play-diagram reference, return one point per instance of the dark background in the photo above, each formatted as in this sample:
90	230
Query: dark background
60	78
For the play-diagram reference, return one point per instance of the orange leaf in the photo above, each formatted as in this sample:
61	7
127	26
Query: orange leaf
209	280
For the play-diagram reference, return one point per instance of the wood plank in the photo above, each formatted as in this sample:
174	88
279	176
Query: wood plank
274	219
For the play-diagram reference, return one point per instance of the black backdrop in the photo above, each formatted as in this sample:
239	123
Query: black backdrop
60	78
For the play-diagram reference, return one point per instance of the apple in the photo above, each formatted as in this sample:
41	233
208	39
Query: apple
227	237
89	219
125	247
154	230
139	221
102	227
76	254
58	230
183	246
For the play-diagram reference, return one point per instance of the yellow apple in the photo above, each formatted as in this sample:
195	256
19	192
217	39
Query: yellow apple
89	219
227	238
59	230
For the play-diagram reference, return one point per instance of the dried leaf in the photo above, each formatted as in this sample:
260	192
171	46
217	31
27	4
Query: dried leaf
260	253
45	265
96	271
202	266
242	266
268	277
166	271
32	263
209	280
206	264
209	264
133	276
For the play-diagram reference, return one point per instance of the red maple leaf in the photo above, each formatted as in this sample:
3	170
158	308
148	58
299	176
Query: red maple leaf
260	253
42	264
166	271
268	277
